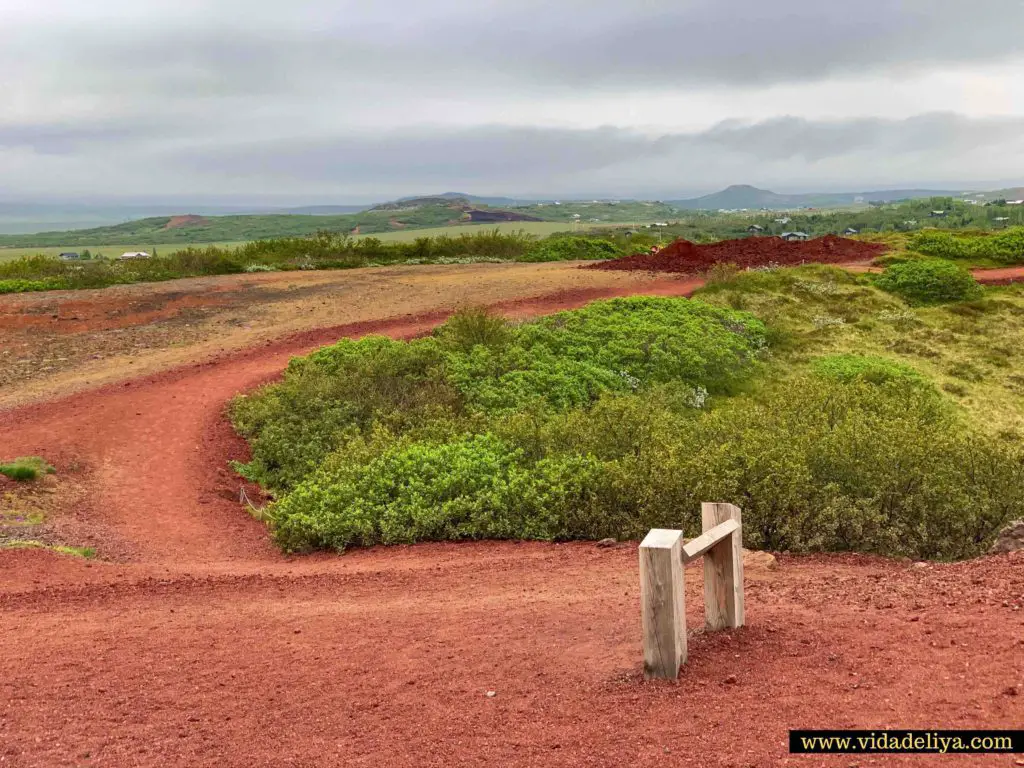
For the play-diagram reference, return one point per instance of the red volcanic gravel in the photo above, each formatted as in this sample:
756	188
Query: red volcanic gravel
684	256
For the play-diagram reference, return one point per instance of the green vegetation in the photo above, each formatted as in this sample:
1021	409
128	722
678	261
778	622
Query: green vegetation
1006	247
85	552
929	281
572	248
26	468
847	368
389	218
324	250
625	415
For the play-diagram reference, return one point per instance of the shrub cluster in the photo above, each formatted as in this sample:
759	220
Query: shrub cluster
929	281
609	421
1006	247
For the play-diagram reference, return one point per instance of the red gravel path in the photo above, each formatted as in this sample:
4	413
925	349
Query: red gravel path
690	258
207	648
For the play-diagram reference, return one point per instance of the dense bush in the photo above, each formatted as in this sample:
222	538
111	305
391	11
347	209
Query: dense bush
1006	247
595	423
25	286
571	248
475	368
929	281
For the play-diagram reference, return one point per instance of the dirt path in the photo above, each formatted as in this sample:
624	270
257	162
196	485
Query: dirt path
203	646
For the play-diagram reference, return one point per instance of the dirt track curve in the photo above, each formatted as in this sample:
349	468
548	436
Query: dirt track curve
199	644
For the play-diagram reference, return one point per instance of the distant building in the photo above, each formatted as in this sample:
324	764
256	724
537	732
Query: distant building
1001	218
755	229
849	231
1015	202
133	255
794	236
783	220
937	214
70	256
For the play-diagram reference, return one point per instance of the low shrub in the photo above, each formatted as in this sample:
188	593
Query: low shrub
476	368
26	468
870	368
571	248
25	286
929	281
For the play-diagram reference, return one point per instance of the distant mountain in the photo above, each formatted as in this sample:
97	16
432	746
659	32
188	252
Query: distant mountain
741	196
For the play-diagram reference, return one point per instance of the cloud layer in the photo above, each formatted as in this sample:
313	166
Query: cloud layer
319	99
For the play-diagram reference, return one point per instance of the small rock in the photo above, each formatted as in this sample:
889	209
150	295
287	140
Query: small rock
730	680
491	694
919	565
603	543
1011	691
1010	539
753	559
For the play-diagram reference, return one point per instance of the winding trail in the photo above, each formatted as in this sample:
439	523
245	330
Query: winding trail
202	645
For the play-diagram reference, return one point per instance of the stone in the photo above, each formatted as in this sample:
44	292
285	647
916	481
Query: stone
1010	539
603	543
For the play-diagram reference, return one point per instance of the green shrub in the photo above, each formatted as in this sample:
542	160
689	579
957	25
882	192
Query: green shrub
26	468
25	286
571	248
476	367
929	281
870	368
472	488
1006	247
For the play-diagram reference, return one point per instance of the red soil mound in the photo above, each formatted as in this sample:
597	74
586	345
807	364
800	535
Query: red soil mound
684	256
189	220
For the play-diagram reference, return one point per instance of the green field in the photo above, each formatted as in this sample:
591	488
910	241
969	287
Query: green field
537	228
110	251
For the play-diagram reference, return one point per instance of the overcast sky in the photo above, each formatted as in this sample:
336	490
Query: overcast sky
321	100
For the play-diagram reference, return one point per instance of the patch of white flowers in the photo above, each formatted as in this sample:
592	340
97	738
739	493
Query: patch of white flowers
827	288
698	398
631	381
827	321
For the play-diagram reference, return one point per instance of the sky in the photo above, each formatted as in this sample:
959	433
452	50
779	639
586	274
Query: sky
328	101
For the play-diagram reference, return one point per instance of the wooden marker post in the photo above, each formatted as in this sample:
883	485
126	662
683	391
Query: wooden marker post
723	569
663	605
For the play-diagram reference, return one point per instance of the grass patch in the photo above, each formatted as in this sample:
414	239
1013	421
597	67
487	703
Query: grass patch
85	552
26	468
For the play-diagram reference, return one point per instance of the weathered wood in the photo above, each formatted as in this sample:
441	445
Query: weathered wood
663	607
723	570
698	546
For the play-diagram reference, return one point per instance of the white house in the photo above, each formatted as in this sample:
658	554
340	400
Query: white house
133	255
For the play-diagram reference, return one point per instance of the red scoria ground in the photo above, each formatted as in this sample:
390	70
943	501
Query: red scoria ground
197	644
684	256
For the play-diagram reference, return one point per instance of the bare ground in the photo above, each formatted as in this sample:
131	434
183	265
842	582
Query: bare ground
195	643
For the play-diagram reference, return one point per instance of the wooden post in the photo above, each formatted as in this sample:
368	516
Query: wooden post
723	570
663	606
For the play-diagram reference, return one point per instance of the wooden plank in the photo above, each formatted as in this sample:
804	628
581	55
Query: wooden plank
662	603
698	546
723	570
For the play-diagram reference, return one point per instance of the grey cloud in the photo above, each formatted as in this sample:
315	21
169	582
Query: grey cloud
445	47
507	155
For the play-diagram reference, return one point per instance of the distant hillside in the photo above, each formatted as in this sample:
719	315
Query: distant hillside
187	229
741	196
